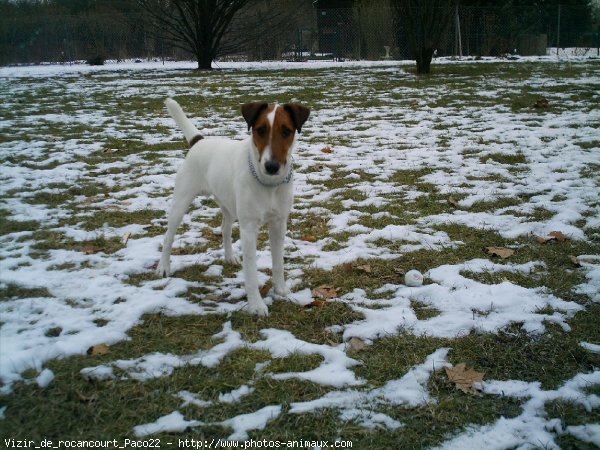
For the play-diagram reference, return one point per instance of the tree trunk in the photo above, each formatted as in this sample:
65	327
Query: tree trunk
423	24
204	60
423	60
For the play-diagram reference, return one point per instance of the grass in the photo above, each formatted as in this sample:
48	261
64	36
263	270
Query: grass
73	407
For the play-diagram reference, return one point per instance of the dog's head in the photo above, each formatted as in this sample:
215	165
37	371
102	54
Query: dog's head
274	129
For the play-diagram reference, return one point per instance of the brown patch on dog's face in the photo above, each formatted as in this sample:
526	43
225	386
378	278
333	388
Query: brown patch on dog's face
273	131
261	129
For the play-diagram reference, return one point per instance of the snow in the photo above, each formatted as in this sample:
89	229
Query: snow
595	348
257	420
408	391
333	371
532	428
236	395
586	433
171	423
88	297
45	378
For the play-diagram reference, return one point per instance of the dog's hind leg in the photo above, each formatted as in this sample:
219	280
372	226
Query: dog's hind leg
182	199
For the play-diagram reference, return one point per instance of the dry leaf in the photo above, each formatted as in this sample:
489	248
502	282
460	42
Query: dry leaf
315	303
89	249
364	268
265	289
325	291
400	271
308	238
327	150
552	236
348	267
560	237
582	261
500	251
466	379
356	344
86	398
125	238
453	201
100	349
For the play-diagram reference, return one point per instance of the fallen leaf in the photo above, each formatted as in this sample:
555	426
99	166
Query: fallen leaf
582	260
400	271
543	240
265	289
86	398
453	201
100	349
89	249
364	268
315	303
542	103
466	379
560	237
348	267
325	291
308	238
356	344
500	252
552	236
327	150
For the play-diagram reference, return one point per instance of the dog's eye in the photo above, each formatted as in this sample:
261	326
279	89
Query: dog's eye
261	131
286	132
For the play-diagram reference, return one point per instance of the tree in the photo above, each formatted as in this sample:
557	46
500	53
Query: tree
423	23
196	26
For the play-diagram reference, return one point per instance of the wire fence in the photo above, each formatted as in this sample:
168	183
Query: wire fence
348	33
367	33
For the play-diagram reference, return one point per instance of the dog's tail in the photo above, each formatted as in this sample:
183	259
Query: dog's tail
191	133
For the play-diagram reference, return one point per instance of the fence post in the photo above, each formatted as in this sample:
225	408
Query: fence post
558	33
458	40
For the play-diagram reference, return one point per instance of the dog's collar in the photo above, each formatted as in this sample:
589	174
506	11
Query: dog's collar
286	180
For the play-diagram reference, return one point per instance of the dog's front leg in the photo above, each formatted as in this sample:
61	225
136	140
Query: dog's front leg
248	235
277	229
226	226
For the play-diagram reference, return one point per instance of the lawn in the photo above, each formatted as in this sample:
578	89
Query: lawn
484	176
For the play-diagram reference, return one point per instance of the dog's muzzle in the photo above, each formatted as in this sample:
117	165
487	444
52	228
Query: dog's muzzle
272	166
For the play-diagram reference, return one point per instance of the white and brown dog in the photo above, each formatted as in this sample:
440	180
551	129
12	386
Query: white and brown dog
251	180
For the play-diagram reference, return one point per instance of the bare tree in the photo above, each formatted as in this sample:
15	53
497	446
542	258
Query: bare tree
424	23
196	26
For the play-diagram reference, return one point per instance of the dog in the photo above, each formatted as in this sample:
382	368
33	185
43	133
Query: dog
250	179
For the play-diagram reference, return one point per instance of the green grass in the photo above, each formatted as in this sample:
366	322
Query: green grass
73	407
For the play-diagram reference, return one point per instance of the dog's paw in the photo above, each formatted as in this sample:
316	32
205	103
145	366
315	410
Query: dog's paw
281	292
258	308
233	259
163	269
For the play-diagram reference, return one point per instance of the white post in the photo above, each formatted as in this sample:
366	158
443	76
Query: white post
458	37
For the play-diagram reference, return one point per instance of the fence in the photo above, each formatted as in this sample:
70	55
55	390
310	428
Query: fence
355	33
375	33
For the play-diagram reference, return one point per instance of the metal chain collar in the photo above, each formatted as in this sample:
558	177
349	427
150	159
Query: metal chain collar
286	180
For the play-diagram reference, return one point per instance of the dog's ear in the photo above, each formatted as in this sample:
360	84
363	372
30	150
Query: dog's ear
250	111
298	113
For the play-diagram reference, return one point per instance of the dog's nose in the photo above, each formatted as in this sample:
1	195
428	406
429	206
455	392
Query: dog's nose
272	166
